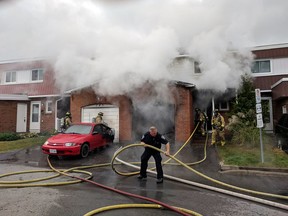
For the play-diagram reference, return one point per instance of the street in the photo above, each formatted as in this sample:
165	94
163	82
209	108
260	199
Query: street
79	199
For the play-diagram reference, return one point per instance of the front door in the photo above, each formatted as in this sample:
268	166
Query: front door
267	113
35	116
21	125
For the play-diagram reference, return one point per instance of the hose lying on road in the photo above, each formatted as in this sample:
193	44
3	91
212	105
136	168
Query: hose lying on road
243	196
121	192
127	206
191	169
28	183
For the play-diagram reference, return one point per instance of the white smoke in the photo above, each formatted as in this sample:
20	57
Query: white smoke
122	44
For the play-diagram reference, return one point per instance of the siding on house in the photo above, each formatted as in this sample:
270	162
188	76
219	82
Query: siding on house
47	87
39	90
274	84
269	53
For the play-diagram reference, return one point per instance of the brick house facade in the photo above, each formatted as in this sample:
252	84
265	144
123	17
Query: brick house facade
182	100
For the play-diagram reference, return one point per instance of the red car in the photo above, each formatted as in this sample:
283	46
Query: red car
79	139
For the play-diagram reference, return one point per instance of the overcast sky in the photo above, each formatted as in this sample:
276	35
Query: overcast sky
136	38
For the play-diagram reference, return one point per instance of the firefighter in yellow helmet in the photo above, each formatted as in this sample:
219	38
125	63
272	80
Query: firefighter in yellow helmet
99	117
201	118
218	124
66	121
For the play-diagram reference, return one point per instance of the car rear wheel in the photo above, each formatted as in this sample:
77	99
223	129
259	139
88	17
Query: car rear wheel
84	150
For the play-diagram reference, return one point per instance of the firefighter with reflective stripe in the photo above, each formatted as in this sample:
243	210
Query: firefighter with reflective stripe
201	118
66	121
218	124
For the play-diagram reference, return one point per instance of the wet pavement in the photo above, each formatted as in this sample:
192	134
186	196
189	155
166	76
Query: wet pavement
78	199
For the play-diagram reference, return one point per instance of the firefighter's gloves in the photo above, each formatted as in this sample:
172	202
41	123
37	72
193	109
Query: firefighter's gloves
221	128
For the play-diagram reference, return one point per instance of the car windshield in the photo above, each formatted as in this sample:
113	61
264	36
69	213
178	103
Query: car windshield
78	129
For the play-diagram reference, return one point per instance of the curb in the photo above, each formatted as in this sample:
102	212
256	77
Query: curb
254	170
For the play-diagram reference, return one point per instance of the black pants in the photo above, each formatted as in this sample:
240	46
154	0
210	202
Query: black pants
144	162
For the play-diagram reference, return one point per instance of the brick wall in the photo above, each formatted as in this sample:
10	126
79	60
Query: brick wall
183	114
8	113
47	123
88	97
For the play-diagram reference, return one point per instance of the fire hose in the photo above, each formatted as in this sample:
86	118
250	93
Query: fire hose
27	183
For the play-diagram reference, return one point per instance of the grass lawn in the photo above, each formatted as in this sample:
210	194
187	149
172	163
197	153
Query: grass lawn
21	143
232	154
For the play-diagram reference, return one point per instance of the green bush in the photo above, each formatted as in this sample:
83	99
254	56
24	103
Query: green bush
9	136
28	135
242	132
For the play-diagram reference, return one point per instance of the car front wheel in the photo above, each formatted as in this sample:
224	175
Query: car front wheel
84	150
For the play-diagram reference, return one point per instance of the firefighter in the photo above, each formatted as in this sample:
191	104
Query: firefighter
99	118
218	124
66	121
201	118
153	138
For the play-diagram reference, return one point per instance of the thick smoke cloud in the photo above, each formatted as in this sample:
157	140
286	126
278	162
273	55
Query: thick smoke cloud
122	44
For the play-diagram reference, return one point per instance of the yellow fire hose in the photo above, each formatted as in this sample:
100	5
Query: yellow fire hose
28	183
181	211
127	206
191	169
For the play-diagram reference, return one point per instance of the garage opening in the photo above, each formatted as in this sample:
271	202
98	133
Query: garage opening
161	115
111	116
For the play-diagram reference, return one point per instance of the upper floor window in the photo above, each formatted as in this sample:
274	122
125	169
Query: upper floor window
263	66
37	75
197	69
10	77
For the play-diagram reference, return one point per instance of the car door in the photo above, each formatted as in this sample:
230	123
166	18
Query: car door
98	138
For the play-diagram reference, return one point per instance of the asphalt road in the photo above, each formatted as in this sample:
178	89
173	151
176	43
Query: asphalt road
78	199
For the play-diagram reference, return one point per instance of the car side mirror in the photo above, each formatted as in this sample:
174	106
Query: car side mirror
95	132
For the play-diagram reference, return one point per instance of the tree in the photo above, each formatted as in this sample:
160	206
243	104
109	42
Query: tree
244	102
242	124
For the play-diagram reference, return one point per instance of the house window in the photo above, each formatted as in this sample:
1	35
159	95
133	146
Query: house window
197	69
35	112
49	106
224	106
284	109
37	75
10	77
261	66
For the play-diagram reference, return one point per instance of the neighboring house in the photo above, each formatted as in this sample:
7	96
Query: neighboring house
270	75
28	97
270	72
